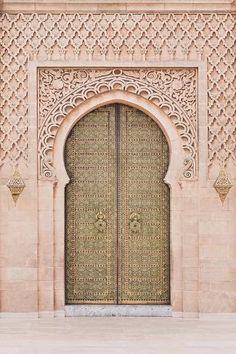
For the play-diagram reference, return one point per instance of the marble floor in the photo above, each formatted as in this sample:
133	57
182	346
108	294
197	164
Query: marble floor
118	335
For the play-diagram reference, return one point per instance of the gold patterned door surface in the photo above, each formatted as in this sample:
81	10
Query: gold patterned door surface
117	209
143	209
91	235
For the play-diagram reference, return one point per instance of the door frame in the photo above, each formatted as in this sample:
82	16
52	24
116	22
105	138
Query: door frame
172	179
49	192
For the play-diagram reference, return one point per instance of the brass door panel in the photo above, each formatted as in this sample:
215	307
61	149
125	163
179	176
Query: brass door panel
144	210
117	209
91	235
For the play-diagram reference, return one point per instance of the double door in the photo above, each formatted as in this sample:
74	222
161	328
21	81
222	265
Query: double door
117	209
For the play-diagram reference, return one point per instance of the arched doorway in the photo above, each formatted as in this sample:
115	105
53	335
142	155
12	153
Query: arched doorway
117	209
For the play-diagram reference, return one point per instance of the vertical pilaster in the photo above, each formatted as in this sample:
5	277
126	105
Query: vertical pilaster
46	248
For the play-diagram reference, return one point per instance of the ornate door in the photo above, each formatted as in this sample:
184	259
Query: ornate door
117	209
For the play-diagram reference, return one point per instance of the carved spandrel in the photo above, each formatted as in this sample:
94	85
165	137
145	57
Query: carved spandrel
164	87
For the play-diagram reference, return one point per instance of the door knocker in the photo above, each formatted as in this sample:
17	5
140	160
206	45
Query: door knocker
100	222
134	224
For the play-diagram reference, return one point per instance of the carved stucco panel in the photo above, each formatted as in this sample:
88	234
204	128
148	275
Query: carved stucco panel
115	36
62	89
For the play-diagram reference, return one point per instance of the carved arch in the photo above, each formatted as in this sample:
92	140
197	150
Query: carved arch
167	100
176	152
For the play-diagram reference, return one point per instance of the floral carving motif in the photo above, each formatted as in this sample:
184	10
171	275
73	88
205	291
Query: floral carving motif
173	90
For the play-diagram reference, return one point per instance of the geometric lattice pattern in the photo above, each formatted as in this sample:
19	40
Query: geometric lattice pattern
116	36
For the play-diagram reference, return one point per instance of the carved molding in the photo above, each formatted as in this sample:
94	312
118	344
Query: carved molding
109	5
62	89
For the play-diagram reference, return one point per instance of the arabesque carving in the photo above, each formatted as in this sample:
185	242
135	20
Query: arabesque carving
61	89
118	36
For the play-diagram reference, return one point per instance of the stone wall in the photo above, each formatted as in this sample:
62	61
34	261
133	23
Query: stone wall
181	63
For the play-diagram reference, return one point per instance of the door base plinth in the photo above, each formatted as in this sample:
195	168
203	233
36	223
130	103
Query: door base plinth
118	311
